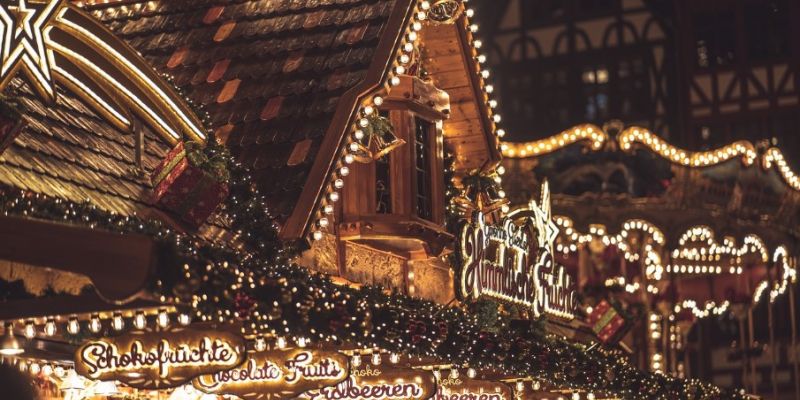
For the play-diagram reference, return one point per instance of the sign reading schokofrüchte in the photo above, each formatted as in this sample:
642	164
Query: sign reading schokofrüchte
158	360
278	374
512	261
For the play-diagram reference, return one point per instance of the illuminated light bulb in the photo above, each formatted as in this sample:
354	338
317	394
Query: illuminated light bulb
394	358
501	193
302	342
501	132
356	361
328	209
489	88
363	122
338	183
9	345
344	171
408	47
94	324
50	327
59	371
184	319
417	26
497	118
473	28
453	373
485	74
281	343
400	70
73	326
368	110
590	396
425	5
354	147
117	322
395	81
376	359
358	134
470	12
317	235
333	196
47	370
471	373
492	103
481	58
378	100
139	320
536	385
576	396
478	44
520	386
30	330
162	319
35	369
348	159
261	344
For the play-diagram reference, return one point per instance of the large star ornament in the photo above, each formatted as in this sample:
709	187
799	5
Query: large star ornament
543	221
23	45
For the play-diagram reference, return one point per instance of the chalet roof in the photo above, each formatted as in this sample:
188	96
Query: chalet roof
269	73
281	82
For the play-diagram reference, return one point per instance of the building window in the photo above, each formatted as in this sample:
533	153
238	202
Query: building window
422	130
715	38
768	29
383	186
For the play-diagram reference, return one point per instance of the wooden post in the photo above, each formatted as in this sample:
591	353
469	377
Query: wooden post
745	352
772	350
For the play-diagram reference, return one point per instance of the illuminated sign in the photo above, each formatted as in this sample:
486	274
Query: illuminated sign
379	382
55	41
155	360
472	389
513	261
278	374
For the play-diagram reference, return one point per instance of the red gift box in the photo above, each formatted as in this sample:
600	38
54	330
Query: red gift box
10	128
185	189
605	321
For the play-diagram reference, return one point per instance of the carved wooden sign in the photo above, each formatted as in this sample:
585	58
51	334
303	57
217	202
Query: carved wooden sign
473	389
513	261
157	360
379	382
278	374
445	11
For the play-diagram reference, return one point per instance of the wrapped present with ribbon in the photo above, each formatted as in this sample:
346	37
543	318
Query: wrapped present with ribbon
606	322
11	122
189	183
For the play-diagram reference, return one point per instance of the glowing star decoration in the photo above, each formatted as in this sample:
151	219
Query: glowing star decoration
472	389
512	261
379	382
55	42
278	374
159	360
23	44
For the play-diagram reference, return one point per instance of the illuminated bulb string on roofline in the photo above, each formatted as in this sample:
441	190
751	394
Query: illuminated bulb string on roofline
399	66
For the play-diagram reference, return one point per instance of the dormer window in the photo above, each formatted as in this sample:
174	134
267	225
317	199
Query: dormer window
401	195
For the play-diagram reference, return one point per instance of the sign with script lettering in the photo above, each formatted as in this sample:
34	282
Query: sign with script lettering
513	261
379	382
472	389
158	360
278	374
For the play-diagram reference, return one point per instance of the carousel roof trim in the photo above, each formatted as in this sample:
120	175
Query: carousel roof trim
632	137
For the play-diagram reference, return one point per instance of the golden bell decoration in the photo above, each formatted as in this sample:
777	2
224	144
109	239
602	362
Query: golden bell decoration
481	193
380	139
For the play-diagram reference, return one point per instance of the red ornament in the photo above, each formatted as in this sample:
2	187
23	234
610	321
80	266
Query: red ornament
185	189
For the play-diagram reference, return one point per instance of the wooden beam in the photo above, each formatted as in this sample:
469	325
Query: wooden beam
118	265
